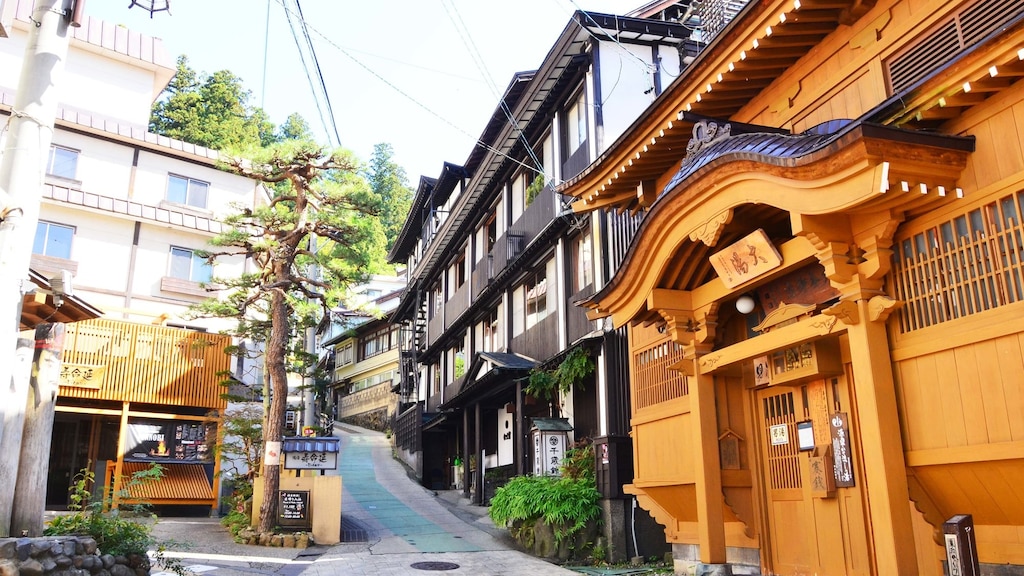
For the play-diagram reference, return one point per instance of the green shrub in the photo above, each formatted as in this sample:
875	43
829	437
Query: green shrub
566	504
124	531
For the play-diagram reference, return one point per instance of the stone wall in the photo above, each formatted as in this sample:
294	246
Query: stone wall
65	556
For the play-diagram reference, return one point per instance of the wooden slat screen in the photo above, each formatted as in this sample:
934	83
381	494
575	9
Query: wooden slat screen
144	363
653	381
180	484
782	458
968	264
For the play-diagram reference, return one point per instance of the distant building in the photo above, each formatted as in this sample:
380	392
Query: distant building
359	350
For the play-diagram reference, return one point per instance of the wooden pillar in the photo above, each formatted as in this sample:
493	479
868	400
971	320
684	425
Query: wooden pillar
465	453
707	468
695	330
885	470
122	446
478	450
519	443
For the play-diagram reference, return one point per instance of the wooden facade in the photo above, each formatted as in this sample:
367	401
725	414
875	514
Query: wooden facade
877	389
135	394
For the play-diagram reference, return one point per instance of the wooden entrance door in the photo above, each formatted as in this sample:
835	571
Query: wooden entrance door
807	533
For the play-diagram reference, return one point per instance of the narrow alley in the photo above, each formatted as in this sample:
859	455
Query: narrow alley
390	526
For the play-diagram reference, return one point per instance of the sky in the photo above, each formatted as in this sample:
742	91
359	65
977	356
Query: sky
421	75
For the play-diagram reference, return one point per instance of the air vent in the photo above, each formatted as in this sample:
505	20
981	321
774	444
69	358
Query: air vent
945	42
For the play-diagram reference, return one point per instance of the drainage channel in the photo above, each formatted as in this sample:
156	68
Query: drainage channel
302	561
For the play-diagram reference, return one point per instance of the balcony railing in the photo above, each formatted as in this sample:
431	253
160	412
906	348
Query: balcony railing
432	225
540	341
456	305
576	321
575	164
508	247
435	327
483	274
126	362
537	215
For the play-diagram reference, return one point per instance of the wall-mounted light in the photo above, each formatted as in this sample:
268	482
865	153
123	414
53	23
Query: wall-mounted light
745	304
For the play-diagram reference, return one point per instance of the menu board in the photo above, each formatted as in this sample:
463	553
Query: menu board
293	508
162	441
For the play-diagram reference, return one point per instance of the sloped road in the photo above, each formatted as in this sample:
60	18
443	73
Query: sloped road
391	526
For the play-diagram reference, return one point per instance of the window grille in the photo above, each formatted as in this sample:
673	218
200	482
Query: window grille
965	265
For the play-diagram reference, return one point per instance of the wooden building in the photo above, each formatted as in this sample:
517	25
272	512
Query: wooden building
496	258
850	175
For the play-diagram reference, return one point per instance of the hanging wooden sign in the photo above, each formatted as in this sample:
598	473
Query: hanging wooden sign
751	257
842	458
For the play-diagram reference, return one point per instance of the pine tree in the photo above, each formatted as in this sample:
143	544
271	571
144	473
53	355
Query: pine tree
310	242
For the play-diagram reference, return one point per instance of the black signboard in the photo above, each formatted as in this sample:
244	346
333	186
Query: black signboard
293	509
842	457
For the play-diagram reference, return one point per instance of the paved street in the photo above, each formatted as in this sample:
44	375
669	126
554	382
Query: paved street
391	526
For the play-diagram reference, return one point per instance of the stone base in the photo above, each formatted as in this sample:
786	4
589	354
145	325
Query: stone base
288	540
713	570
739	561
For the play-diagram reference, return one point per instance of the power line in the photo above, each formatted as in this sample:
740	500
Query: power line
319	73
474	52
406	95
305	67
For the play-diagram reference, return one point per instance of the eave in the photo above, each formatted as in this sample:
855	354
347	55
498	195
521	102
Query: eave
862	171
764	41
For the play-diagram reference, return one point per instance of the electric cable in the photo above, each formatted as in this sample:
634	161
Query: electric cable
305	67
406	95
467	41
319	73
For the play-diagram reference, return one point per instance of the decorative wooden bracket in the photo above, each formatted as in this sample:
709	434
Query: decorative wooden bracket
845	311
880	307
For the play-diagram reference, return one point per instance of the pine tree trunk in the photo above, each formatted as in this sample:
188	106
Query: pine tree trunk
277	344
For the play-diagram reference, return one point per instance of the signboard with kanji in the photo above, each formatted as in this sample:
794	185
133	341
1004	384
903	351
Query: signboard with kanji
310	460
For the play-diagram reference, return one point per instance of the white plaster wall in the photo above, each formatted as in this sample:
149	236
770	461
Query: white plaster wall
107	87
116	89
670	66
225	187
104	167
624	79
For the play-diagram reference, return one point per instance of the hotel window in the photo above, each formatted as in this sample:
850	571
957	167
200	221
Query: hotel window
53	240
345	355
539	295
62	162
576	125
583	260
187	264
377	342
182	190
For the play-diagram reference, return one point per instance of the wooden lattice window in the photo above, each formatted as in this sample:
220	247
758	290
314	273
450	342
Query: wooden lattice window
965	265
783	456
653	381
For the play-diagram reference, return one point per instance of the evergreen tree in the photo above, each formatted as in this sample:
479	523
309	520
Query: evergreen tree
211	111
310	242
295	127
394	196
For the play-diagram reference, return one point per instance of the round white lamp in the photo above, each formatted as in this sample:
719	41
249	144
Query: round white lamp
745	304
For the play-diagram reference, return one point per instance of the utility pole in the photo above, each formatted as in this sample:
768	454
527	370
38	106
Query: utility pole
21	177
